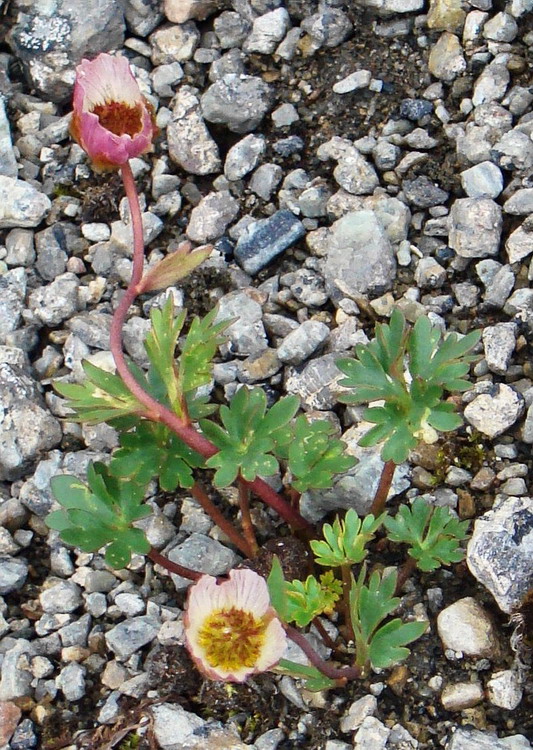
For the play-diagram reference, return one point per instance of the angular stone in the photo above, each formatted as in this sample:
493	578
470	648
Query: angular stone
483	180
16	676
129	636
200	552
10	715
446	15
21	205
505	690
265	239
461	695
302	342
8	161
13	573
179	11
190	144
471	739
446	60
243	157
359	259
495	412
174	43
466	626
209	219
499	342
500	550
492	84
268	30
237	101
519	244
328	29
246	334
475	227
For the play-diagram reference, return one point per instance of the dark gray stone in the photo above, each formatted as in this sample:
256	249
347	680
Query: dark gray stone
238	102
263	240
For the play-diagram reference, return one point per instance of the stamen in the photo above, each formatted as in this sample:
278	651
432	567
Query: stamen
232	639
119	118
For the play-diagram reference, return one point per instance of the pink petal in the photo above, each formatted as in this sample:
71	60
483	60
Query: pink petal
275	645
249	591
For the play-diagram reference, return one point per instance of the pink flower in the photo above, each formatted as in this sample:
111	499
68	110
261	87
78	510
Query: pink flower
231	629
111	120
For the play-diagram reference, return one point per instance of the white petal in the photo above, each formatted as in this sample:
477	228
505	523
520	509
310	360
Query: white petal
249	591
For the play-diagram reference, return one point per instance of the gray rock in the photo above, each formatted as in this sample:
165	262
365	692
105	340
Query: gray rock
174	726
21	204
20	250
415	109
465	626
16	675
130	635
499	287
520	203
12	296
71	680
286	147
317	383
55	302
492	84
505	690
179	11
285	115
328	29
357	713
475	227
482	180
386	8
423	193
200	552
514	150
265	239
313	201
77	632
243	157
8	161
360	79
359	259
247	334
13	573
190	144
52	245
231	62
231	29
35	494
386	155
60	597
238	102
308	288
354	173
211	216
142	15
302	342
500	28
265	179
50	39
500	549
499	342
393	215
268	30
27	427
165	78
520	304
175	43
471	739
429	274
493	413
371	735
24	735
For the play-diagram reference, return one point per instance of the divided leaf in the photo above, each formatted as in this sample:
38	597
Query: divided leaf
433	534
345	541
247	439
100	513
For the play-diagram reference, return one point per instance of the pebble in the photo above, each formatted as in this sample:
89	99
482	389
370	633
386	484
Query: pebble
483	180
505	689
499	343
472	739
10	715
499	553
302	342
175	43
446	15
357	713
21	204
360	79
285	115
265	179
209	219
359	257
13	573
446	60
475	227
265	239
60	597
493	413
16	676
371	735
328	29
190	145
237	101
243	157
466	627
171	721
130	635
71	681
179	11
461	695
423	193
201	553
247	334
267	31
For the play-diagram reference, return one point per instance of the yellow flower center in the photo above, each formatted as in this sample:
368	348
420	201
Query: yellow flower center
232	638
119	118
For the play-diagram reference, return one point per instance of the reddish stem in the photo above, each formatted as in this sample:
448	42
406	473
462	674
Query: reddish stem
156	411
385	481
201	496
246	518
334	673
159	559
404	574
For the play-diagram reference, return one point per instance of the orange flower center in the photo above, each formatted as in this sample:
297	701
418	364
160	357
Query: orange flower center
232	639
119	118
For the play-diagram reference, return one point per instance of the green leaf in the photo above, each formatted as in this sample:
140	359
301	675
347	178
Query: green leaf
433	534
160	345
100	513
387	645
276	589
345	541
197	351
315	681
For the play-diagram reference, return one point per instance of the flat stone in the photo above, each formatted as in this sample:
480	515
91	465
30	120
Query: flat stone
472	739
131	635
475	227
357	713
243	157
360	258
360	79
302	342
175	43
265	239
21	204
461	695
495	412
492	84
201	553
386	8
466	627
520	203
423	193
500	550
